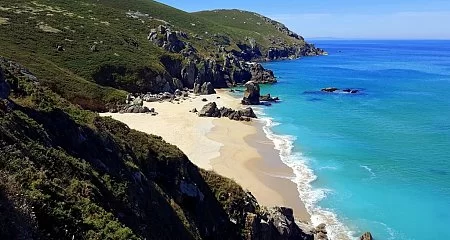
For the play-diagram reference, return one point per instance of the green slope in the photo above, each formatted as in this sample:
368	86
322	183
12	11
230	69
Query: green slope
32	31
251	25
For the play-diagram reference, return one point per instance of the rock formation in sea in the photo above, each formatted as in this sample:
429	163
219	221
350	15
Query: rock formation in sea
366	236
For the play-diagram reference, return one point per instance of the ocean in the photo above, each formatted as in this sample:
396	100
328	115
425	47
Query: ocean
377	160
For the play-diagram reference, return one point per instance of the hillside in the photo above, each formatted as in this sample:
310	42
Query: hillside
93	52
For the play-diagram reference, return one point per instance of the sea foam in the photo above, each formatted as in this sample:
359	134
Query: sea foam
304	176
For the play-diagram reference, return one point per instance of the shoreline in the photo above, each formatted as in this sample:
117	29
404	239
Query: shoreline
237	150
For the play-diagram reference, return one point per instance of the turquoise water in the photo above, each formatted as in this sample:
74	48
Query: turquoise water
374	161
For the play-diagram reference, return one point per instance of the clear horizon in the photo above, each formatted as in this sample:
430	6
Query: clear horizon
348	19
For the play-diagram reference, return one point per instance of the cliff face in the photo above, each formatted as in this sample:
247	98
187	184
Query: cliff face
66	173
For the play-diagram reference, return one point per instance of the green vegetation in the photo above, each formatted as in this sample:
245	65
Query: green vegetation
88	51
66	172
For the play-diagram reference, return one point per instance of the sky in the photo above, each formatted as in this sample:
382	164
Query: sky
349	19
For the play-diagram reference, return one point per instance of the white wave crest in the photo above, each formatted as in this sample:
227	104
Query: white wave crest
304	176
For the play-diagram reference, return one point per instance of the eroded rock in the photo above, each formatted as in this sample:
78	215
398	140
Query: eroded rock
251	94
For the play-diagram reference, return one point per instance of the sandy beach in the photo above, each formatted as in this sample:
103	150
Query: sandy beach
238	150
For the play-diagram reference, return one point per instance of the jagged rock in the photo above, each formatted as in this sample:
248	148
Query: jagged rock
4	86
138	102
268	98
194	110
248	112
177	83
260	74
276	223
207	88
251	94
204	89
329	89
188	74
320	232
209	110
366	236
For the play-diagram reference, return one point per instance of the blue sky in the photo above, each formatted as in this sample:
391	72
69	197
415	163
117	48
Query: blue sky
366	19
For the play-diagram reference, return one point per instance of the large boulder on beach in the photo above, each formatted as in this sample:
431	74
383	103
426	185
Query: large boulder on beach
248	112
209	110
251	94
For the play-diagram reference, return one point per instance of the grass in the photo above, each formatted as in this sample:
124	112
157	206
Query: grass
95	79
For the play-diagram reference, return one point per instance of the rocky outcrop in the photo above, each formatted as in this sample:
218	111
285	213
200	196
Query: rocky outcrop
166	38
205	89
133	105
334	89
211	110
277	223
260	74
251	94
320	232
268	98
366	236
329	89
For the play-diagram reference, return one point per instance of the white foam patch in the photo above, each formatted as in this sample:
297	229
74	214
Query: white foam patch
304	176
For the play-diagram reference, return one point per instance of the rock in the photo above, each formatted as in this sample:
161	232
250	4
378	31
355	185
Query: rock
194	110
329	89
276	223
207	88
178	92
354	91
268	98
197	88
248	112
251	94
191	190
204	89
144	110
138	102
189	73
320	232
260	74
59	48
177	83
204	100
209	110
366	236
4	86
